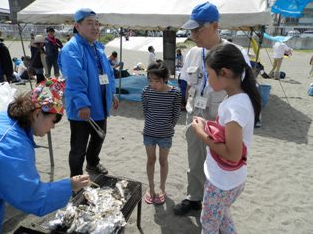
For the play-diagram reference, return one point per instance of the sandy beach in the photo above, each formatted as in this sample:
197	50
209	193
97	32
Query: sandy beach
278	195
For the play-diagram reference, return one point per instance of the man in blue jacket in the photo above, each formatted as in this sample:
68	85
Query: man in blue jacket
89	92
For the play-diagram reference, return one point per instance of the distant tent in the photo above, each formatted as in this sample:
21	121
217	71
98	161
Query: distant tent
276	38
290	8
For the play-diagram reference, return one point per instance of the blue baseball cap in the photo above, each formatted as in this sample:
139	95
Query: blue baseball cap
83	13
201	14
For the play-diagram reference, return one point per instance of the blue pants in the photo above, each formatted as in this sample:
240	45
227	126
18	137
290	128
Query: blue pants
52	61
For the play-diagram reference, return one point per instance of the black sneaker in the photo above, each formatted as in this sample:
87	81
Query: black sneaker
97	169
186	205
257	124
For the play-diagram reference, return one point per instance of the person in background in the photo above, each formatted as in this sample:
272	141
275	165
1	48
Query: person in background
161	110
128	34
6	66
32	114
151	55
38	61
279	49
89	94
32	45
115	64
52	46
17	62
23	68
179	59
229	137
202	100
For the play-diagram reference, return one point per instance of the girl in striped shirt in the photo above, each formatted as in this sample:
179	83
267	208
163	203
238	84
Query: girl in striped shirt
161	109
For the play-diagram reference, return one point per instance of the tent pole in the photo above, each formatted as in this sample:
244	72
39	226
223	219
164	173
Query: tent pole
250	38
24	53
20	33
120	70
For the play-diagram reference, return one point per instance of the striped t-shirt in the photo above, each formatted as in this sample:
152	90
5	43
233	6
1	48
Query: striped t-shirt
161	111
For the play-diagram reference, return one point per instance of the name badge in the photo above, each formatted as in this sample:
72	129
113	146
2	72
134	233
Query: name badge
200	102
103	79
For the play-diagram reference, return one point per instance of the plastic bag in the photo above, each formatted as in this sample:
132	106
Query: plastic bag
310	90
6	95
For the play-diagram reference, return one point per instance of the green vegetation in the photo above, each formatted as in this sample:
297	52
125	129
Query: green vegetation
185	45
107	37
305	51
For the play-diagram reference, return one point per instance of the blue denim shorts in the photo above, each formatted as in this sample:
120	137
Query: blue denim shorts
161	142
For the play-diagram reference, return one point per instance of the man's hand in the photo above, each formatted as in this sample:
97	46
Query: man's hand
115	102
84	113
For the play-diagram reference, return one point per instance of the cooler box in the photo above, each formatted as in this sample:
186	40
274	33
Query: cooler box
264	90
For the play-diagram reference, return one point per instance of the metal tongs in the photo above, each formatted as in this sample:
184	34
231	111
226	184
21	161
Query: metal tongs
96	127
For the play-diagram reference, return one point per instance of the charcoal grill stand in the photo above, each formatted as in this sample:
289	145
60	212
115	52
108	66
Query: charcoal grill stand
102	180
135	200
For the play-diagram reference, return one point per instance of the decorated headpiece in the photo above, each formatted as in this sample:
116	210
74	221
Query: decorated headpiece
48	95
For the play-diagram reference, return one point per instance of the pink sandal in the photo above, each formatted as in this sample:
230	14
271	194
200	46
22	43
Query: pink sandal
148	198
160	198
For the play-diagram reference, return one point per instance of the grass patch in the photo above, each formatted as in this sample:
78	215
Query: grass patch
107	38
304	51
185	45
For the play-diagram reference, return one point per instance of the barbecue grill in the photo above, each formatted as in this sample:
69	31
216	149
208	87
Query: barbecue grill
134	187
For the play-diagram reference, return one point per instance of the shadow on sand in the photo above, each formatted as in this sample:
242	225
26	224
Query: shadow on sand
279	119
171	224
282	121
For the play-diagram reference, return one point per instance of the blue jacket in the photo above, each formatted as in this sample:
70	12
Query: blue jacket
78	64
20	184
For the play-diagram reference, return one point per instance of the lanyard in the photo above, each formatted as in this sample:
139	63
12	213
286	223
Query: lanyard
100	71
205	74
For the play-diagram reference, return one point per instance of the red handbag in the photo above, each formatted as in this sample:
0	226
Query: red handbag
217	133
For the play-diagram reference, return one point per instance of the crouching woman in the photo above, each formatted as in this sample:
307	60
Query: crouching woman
32	114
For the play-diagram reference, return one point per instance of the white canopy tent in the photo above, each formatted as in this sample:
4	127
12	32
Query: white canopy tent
144	14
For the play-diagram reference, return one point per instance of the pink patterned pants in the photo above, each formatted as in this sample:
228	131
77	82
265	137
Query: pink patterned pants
215	215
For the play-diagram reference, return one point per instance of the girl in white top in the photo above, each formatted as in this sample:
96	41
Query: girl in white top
227	71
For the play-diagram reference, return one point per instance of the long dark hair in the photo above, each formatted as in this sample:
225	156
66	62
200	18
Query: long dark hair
229	56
